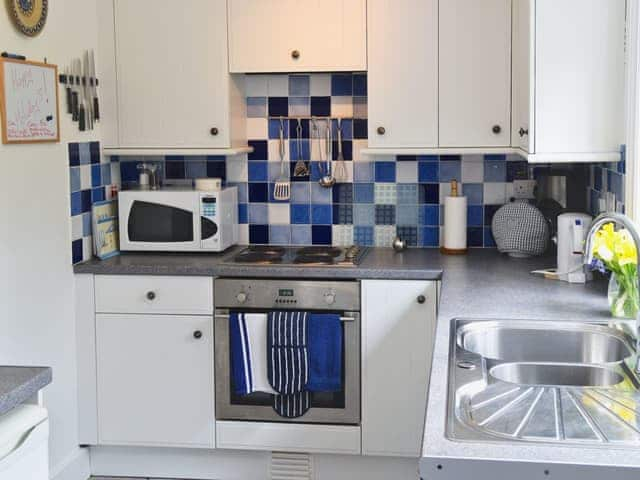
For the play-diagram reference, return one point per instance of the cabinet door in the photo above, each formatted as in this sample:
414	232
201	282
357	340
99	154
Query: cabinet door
397	341
403	73
522	85
475	73
327	35
173	82
155	380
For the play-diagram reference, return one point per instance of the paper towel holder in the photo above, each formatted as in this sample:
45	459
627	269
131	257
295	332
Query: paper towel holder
453	251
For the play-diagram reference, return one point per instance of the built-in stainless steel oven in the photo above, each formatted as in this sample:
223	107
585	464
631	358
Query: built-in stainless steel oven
260	295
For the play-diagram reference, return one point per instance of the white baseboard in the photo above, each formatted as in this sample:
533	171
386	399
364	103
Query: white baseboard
76	466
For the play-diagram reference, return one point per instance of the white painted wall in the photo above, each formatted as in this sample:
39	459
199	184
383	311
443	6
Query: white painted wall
36	279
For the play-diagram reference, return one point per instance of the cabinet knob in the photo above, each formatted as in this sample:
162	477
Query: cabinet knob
496	129
295	54
214	131
151	295
522	132
421	299
197	334
381	131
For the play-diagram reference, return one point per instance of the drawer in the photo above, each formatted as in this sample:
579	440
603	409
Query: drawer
154	294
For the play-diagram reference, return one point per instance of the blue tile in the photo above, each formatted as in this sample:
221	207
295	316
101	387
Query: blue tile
475	215
341	84
86	225
321	214
385	171
346	126
301	234
450	170
196	169
74	154
258	213
258	192
318	170
617	185
320	194
428	172
363	236
74	179
429	193
274	171
106	173
321	106
76	251
243	192
293	150
343	214
321	235
174	169
475	237
259	234
299	85
363	192
274	128
299	106
489	241
96	176
343	193
517	171
407	194
495	170
76	203
347	149
258	171
94	152
409	235
360	84
97	195
278	106
364	214
385	214
256	107
85	153
300	214
360	128
474	193
407	215
304	129
409	158
279	234
429	236
597	178
128	172
85	199
501	157
243	213
429	215
300	192
260	150
489	212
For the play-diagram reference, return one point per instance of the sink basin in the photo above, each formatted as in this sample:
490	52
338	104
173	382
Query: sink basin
537	342
533	381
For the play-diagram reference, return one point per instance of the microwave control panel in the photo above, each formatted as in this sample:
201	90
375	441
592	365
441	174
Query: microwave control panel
209	207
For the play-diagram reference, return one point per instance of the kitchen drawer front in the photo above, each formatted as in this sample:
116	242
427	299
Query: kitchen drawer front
154	294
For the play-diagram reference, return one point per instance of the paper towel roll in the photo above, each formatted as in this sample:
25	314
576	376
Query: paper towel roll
208	184
455	225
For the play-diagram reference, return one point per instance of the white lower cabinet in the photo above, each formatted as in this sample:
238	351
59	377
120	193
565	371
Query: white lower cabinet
155	380
398	326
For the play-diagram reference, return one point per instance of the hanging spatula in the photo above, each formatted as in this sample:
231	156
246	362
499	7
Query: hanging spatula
301	169
282	188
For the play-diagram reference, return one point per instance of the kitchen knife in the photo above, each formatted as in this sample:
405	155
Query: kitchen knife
94	81
74	91
86	79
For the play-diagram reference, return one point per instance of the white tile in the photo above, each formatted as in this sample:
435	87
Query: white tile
320	85
342	235
472	169
495	193
274	150
445	191
385	193
348	167
341	107
278	85
407	172
243	234
237	169
278	214
384	235
358	146
85	177
256	85
87	248
76	227
257	128
509	192
115	174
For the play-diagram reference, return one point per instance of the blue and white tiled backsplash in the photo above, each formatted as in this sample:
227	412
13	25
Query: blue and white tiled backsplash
606	190
382	196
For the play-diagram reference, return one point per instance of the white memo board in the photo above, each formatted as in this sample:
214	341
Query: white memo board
29	102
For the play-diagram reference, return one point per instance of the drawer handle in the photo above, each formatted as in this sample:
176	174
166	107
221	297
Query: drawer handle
522	132
197	334
151	295
421	299
214	131
295	54
496	129
381	130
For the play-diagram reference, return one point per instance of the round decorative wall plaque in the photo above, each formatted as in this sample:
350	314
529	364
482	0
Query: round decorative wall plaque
29	15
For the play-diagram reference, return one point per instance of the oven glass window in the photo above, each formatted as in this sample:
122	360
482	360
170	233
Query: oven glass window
156	223
208	228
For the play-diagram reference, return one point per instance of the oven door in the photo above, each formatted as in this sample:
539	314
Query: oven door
159	221
337	408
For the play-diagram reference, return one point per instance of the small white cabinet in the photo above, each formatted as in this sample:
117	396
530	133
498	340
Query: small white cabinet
297	36
403	73
398	326
475	73
155	380
165	68
568	81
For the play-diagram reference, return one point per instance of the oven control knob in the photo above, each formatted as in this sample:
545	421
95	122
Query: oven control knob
330	298
241	297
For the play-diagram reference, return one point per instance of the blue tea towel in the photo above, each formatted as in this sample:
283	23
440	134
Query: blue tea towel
325	353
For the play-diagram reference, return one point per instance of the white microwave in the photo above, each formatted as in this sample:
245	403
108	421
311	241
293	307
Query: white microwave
178	220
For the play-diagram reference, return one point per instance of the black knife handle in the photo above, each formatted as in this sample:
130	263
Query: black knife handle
74	106
69	101
82	125
96	108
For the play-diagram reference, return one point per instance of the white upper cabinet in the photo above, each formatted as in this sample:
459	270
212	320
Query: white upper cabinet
570	97
403	73
297	36
173	89
475	73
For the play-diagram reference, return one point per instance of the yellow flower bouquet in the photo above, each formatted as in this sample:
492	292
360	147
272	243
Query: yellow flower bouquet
615	251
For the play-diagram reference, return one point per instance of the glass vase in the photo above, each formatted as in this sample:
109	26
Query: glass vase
623	297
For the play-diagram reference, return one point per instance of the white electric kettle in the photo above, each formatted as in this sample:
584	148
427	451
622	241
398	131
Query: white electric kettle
571	236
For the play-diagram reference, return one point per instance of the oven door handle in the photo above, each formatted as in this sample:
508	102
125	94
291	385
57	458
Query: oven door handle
226	317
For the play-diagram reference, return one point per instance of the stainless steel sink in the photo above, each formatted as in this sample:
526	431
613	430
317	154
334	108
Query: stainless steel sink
532	381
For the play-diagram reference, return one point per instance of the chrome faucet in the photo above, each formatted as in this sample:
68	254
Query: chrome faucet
625	222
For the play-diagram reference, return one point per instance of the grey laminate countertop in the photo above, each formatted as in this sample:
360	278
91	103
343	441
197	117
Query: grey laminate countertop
19	384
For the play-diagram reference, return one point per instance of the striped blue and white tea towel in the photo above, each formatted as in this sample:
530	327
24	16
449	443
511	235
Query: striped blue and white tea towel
248	339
